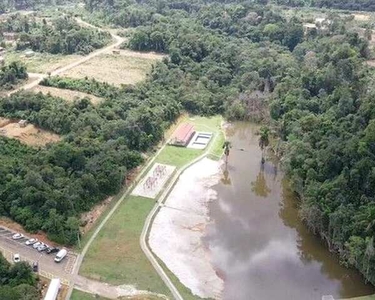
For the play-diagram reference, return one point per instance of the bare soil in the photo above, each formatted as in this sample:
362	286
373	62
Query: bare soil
115	69
90	217
68	95
29	135
361	17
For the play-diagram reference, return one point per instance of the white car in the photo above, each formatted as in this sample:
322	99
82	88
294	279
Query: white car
16	258
37	244
31	242
17	236
42	247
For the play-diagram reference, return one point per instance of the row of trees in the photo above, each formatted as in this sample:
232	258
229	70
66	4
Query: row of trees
366	5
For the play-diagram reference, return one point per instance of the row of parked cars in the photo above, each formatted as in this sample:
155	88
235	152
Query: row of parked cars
40	246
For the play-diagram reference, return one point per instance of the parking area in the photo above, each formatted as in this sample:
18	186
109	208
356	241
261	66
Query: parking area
47	266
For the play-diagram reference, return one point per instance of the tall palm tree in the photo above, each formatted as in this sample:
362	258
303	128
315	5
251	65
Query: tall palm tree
226	146
264	140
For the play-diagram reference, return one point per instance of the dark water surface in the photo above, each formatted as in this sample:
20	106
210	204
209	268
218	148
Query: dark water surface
259	245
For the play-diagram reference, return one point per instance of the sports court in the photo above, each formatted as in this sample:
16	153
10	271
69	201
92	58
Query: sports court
153	182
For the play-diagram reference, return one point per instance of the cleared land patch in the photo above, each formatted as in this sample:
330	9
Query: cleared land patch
29	135
66	94
41	62
114	69
361	17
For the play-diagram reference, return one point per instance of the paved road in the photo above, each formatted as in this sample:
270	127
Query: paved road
47	267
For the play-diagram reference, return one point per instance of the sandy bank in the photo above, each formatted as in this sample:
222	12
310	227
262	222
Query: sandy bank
177	231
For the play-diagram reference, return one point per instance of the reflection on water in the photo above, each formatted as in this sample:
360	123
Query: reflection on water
257	241
259	186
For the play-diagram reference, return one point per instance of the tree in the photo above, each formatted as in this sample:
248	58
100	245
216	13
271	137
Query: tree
226	146
263	140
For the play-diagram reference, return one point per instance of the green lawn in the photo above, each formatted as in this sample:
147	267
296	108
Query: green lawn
78	295
115	256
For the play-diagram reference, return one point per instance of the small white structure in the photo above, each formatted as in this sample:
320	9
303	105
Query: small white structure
200	140
53	289
23	123
29	53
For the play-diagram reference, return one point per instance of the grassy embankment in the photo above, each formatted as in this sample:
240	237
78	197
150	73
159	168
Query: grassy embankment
78	295
116	256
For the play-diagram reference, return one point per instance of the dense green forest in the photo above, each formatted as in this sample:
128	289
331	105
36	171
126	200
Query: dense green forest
62	35
12	74
17	282
9	5
366	5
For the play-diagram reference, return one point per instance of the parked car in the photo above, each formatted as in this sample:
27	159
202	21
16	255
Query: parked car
42	247
52	250
60	256
31	242
35	266
37	244
16	258
17	236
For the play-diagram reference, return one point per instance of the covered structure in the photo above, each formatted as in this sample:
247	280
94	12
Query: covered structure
182	135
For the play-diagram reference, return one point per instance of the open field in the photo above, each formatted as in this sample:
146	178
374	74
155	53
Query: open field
41	62
124	261
68	95
116	256
114	69
29	135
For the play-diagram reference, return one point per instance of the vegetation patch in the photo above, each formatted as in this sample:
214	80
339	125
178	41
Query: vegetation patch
113	69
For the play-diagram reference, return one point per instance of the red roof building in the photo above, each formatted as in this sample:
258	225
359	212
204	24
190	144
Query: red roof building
182	135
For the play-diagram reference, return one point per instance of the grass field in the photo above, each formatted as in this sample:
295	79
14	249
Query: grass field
116	256
114	69
41	62
371	297
78	295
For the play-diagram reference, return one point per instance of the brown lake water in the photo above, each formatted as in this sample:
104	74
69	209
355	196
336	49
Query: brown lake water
258	244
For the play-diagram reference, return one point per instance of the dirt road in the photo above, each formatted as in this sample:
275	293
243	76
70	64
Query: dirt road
117	42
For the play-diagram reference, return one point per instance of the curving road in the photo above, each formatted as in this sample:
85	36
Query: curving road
118	41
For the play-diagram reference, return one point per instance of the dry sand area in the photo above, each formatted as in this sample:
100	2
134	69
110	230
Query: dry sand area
66	94
361	17
29	135
177	231
127	68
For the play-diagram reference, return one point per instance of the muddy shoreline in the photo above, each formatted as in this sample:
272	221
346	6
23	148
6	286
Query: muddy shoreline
177	231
